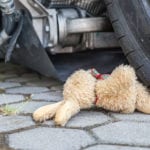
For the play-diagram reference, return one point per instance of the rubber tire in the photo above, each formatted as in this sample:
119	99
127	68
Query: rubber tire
133	33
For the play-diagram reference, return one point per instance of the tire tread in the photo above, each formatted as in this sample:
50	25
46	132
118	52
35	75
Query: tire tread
139	62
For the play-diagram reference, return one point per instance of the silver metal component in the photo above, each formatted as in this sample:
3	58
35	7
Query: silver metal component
38	6
97	40
47	28
7	6
17	46
3	37
83	25
93	40
43	17
53	33
58	49
49	45
51	21
94	7
66	30
65	38
37	18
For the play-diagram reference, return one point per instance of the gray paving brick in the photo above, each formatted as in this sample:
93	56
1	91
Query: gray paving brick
131	133
132	129
7	98
27	90
5	147
18	70
133	117
30	75
6	68
50	138
48	96
88	118
22	79
9	123
8	65
44	82
28	107
11	68
4	85
114	147
2	64
5	76
57	88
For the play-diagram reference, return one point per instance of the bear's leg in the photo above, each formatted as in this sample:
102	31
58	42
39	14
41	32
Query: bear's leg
46	112
68	109
143	99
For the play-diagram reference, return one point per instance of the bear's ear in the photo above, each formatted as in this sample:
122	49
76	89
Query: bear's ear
124	75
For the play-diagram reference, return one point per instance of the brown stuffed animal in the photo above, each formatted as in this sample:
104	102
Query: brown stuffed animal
120	92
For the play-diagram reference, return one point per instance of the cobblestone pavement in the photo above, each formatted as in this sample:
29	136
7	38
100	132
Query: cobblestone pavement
23	91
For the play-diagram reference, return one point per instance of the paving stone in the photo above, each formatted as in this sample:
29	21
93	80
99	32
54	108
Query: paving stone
5	147
7	98
49	96
30	75
50	138
2	139
9	67
86	119
22	79
114	147
5	67
9	123
4	85
133	117
27	90
89	118
19	71
131	133
6	76
28	107
45	83
57	88
2	64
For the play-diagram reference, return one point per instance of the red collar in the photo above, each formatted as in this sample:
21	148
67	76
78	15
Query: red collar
98	76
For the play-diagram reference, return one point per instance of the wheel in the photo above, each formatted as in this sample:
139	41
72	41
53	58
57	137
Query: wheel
131	22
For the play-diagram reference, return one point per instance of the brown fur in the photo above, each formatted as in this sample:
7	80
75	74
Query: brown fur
120	92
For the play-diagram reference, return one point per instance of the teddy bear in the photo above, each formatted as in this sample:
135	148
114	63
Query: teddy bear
119	92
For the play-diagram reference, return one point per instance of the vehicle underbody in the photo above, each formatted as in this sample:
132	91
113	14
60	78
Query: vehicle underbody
33	32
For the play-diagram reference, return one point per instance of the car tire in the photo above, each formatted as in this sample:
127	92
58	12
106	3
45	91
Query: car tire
131	22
